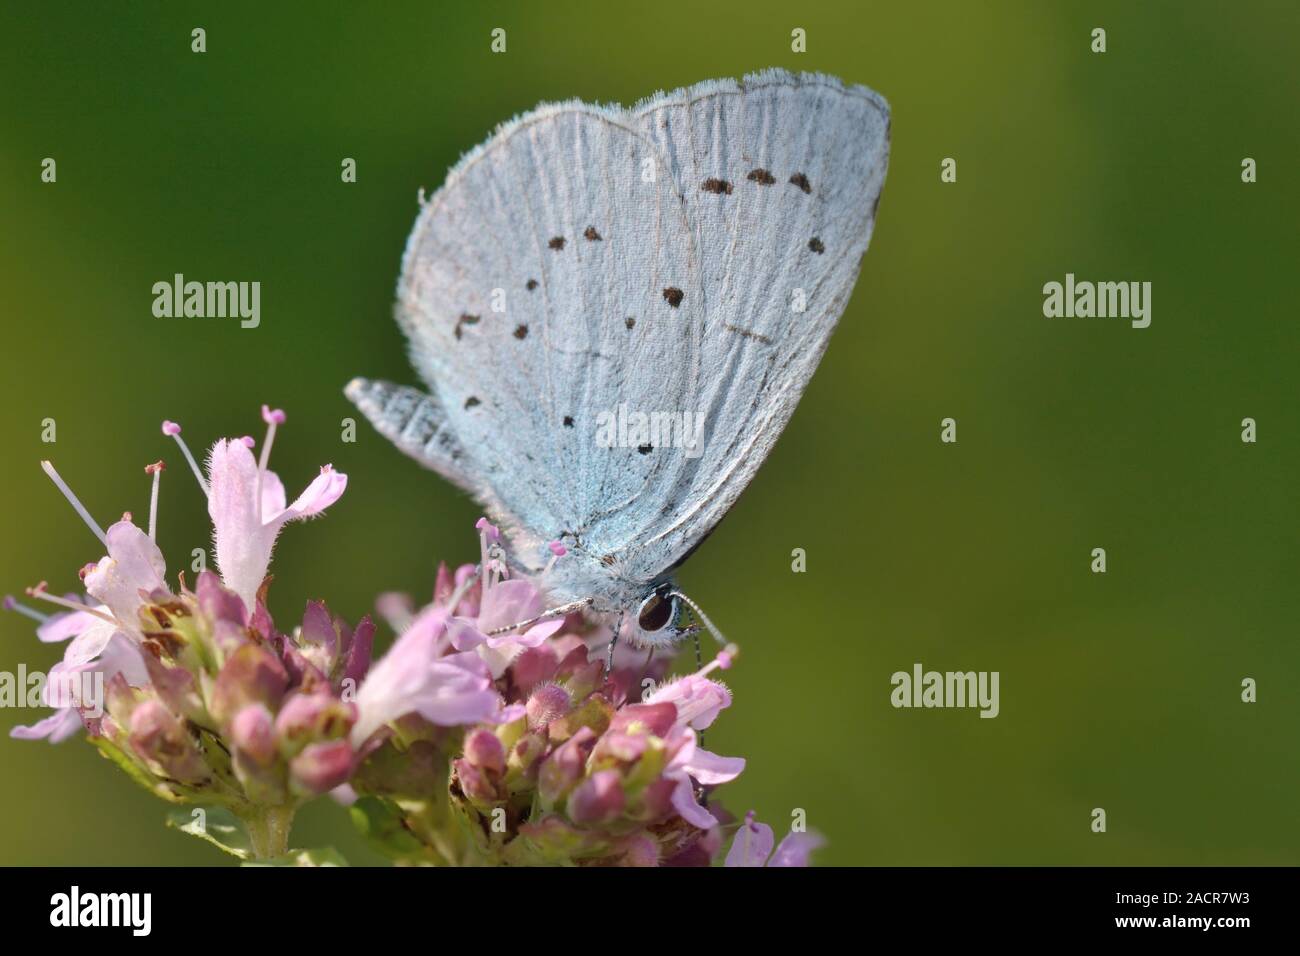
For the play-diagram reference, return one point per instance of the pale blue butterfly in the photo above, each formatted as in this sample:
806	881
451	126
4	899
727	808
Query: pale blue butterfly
588	265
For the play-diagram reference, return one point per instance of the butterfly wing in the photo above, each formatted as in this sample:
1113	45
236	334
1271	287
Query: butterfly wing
587	264
781	175
532	298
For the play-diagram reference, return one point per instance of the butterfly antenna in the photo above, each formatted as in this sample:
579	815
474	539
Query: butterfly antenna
704	618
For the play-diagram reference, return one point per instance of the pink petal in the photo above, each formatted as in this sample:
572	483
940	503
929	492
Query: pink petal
243	546
710	769
90	643
796	849
133	564
684	803
273	497
325	489
509	602
57	727
698	700
752	845
60	627
535	636
464	636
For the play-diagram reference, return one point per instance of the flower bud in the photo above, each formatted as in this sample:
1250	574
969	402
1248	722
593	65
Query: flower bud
321	767
562	770
311	717
252	675
534	665
484	750
546	703
657	719
159	738
475	783
253	733
598	799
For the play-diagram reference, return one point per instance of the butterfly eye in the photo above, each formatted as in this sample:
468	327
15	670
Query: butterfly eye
656	612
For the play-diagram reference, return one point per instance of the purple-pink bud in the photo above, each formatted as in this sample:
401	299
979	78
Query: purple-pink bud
484	750
475	784
322	767
561	771
170	428
546	703
656	719
253	733
316	716
534	665
251	675
157	736
641	850
272	416
598	799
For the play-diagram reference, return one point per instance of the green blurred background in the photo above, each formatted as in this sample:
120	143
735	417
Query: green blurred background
1119	691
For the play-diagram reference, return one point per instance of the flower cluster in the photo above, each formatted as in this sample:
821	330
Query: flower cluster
544	759
201	698
490	733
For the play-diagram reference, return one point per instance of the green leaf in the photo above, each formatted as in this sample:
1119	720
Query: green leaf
380	822
321	856
127	763
217	825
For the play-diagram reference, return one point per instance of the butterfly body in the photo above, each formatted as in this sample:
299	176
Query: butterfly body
681	261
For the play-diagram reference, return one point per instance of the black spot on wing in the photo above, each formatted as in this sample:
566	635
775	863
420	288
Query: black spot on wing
530	285
816	246
673	296
800	180
761	176
591	235
521	331
557	243
463	321
719	187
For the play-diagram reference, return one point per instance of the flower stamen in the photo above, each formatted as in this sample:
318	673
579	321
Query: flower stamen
272	417
11	605
557	551
156	469
41	594
174	430
74	501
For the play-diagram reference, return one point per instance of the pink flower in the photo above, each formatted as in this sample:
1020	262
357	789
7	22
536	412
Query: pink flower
247	505
415	678
753	846
691	762
504	603
117	656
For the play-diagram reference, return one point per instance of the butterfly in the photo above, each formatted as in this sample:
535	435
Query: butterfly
687	258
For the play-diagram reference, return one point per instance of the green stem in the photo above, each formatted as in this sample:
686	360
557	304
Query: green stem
268	831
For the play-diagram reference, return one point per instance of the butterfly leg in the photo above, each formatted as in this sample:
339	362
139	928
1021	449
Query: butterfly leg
609	653
560	611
